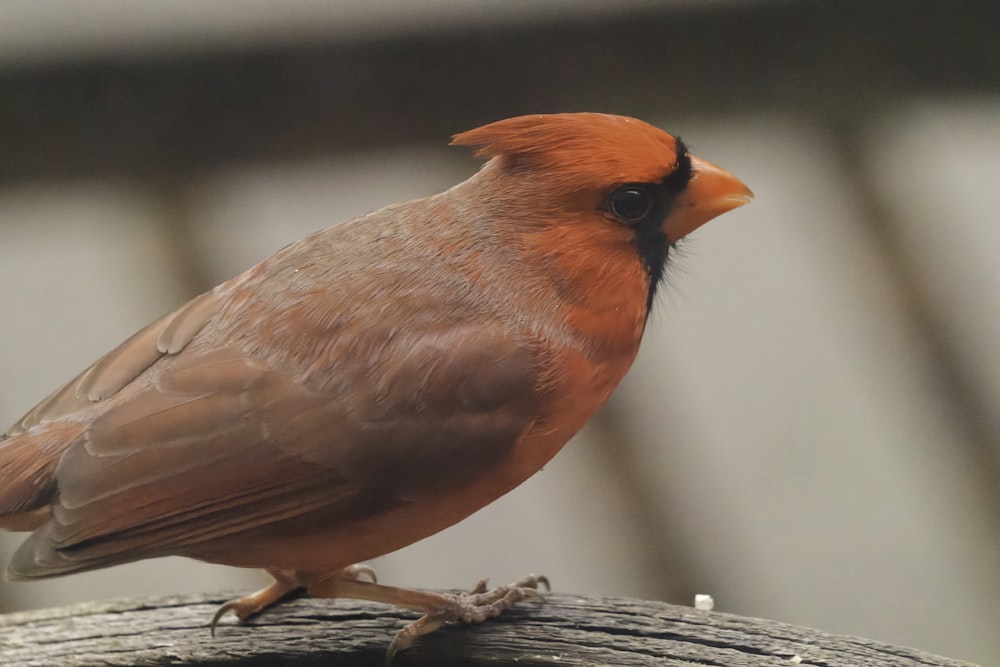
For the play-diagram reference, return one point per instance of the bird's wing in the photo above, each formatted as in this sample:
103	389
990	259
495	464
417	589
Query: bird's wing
219	444
32	447
168	335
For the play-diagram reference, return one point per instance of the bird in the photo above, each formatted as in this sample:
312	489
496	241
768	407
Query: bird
373	383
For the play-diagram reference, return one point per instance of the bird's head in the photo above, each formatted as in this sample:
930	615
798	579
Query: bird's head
619	172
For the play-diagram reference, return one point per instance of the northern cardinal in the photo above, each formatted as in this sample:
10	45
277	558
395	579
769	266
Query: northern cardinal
373	383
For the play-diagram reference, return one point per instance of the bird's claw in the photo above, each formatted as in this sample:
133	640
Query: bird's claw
358	570
235	606
532	581
476	606
285	581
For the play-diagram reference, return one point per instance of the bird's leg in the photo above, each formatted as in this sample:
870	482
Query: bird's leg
475	606
285	581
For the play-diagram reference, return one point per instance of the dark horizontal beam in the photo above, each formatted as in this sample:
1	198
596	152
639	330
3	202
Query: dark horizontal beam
570	631
171	117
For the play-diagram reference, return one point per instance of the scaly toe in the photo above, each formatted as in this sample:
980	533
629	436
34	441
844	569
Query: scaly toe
483	603
476	606
235	606
533	581
404	639
285	581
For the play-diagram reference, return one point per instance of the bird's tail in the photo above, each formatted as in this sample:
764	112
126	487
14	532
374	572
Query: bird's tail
27	473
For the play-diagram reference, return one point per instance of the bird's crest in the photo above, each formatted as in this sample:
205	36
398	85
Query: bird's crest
597	149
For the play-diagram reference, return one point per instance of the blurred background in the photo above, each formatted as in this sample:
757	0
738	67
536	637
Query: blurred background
811	431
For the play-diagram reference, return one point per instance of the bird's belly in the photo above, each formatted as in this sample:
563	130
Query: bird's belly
321	541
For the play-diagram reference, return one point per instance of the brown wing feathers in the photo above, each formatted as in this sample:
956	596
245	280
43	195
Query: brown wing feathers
28	460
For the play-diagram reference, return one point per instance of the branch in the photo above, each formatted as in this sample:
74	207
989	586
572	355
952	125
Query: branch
558	630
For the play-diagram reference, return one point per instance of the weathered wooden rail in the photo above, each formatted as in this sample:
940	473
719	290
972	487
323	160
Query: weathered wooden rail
556	630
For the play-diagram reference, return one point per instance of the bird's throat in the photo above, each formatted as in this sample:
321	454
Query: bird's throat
654	251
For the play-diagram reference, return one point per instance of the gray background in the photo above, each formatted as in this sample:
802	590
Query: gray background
811	430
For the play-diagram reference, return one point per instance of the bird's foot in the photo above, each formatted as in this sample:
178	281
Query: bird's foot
243	608
285	581
476	606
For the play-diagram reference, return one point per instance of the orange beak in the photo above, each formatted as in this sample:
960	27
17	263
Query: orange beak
712	191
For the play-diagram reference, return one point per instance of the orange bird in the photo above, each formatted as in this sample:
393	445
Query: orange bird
373	383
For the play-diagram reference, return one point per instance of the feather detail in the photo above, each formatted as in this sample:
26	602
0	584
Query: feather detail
582	150
168	335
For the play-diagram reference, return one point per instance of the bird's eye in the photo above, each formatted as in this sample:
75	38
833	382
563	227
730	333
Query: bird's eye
631	203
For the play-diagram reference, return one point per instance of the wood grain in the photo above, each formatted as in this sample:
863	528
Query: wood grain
558	630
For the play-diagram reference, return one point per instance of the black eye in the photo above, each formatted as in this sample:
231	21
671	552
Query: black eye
631	203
